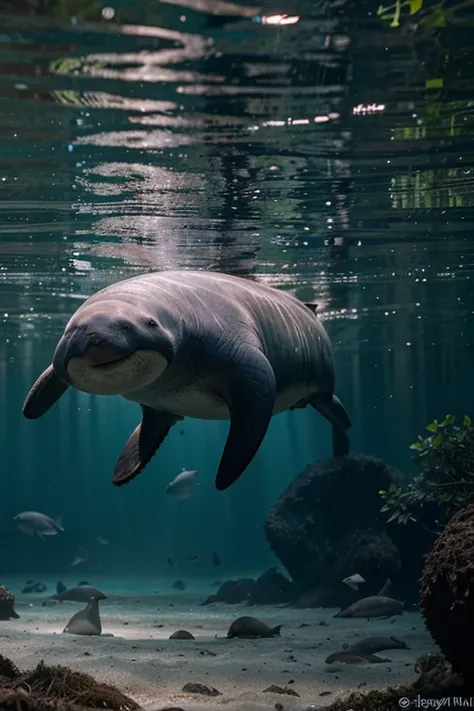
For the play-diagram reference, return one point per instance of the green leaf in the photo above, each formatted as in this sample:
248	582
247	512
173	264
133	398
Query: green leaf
448	420
466	421
438	440
433	427
417	445
382	492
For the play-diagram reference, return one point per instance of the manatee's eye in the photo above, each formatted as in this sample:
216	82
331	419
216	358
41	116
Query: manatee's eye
125	326
152	323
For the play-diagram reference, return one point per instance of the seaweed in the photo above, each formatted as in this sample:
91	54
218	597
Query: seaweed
57	688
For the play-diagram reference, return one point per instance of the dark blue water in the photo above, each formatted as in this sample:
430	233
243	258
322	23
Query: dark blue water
329	155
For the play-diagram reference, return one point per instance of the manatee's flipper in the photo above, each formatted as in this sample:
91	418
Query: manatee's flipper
340	442
333	410
45	392
143	443
86	621
250	392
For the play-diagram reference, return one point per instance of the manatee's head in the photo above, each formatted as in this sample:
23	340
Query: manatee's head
113	347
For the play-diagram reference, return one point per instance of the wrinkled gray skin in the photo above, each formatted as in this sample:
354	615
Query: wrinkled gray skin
80	593
251	628
373	606
86	621
196	344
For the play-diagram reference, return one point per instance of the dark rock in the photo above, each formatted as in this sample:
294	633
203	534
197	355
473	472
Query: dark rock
436	676
8	670
196	688
33	586
447	592
7	599
181	634
274	689
272	588
233	592
328	525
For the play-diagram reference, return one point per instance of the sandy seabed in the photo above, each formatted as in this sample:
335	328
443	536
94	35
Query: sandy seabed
143	663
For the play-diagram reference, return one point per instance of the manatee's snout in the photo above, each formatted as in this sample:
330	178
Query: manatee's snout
101	355
107	349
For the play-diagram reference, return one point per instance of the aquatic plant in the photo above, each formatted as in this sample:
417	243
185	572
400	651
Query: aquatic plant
57	688
445	482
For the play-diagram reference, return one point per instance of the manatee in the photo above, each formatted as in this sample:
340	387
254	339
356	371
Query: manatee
373	606
250	628
372	645
86	621
347	657
196	344
80	593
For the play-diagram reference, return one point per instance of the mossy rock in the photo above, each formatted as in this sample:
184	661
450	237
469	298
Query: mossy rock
447	593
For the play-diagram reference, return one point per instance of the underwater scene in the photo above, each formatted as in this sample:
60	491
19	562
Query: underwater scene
236	355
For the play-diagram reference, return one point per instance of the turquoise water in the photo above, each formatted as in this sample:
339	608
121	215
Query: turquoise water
330	156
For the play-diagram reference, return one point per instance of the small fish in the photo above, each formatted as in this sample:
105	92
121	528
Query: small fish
215	560
251	628
35	523
171	563
182	485
353	581
179	585
82	556
373	606
194	558
103	541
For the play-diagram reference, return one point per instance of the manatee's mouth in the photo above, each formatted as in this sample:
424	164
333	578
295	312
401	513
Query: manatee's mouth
103	357
103	371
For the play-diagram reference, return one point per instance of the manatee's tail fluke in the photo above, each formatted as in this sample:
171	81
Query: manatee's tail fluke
276	631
